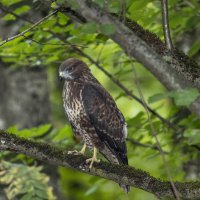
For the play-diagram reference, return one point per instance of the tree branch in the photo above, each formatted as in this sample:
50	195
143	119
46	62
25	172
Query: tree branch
118	173
166	29
8	10
136	47
135	142
29	29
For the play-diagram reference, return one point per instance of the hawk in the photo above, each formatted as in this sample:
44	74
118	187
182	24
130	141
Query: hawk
93	114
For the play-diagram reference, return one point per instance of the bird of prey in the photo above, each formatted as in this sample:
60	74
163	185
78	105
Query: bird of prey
93	114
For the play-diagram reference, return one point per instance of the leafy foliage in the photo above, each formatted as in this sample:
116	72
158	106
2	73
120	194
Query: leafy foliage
32	132
49	44
24	182
181	97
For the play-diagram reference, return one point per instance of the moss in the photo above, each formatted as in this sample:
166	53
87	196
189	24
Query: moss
123	170
187	64
75	160
150	38
184	64
143	180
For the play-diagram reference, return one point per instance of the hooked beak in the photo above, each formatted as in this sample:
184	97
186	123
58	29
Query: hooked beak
64	75
61	75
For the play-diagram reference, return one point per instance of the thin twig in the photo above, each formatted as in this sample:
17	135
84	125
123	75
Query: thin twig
165	21
122	11
29	29
8	10
176	192
135	142
53	44
192	6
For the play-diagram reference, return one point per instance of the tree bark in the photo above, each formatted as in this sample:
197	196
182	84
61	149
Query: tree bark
119	173
23	92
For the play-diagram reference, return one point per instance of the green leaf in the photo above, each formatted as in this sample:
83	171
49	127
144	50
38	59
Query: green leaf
181	97
138	4
54	5
25	181
42	194
73	4
185	97
10	2
8	17
137	9
195	48
137	120
121	94
91	190
101	3
27	196
157	97
22	9
193	136
33	132
62	19
89	28
107	29
38	185
62	134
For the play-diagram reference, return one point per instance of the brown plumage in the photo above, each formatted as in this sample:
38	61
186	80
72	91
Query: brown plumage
93	114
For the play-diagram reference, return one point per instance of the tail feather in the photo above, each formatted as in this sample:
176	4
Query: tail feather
122	159
126	188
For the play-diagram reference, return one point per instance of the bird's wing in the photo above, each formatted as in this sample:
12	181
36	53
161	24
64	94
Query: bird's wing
108	121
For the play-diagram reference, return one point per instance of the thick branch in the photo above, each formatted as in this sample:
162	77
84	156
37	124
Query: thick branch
120	174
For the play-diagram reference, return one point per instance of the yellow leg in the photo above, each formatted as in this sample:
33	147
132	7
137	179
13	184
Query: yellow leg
93	159
82	151
75	152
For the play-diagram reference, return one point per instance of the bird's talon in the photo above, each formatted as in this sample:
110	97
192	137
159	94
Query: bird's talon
73	152
91	161
82	151
88	160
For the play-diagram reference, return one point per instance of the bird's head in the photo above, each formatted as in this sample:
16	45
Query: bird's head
72	69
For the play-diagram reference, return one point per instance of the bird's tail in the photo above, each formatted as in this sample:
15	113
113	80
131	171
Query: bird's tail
122	158
126	188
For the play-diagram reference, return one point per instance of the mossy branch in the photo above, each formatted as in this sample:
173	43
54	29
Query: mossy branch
120	174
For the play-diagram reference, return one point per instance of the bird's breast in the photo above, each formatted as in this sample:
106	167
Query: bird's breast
72	102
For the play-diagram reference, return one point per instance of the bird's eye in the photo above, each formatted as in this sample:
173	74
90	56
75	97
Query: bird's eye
70	68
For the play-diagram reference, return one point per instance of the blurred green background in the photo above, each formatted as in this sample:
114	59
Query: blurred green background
31	97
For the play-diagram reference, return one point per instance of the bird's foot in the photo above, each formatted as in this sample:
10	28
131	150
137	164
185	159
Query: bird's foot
91	161
74	152
82	151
